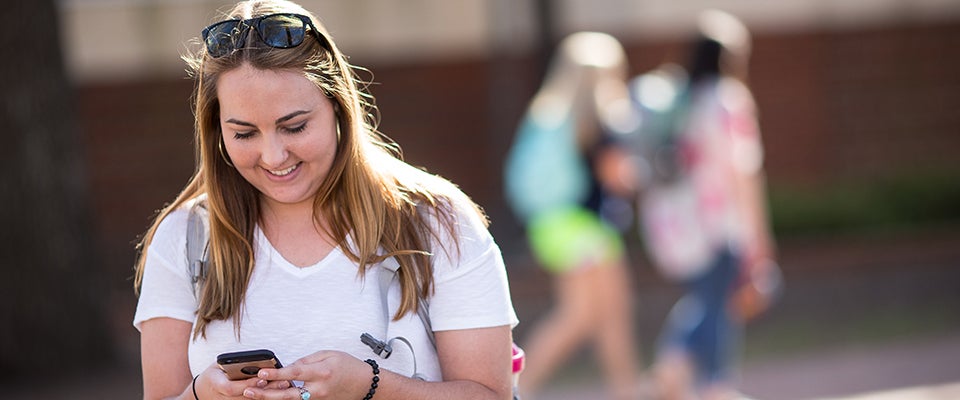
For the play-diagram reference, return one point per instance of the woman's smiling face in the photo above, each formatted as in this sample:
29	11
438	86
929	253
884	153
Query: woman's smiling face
279	131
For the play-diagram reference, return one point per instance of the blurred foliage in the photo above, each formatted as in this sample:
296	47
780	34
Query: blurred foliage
905	201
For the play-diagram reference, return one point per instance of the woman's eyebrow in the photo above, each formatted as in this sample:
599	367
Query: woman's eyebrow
290	116
239	122
279	121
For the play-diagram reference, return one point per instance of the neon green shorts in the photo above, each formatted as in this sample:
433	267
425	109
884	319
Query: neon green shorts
570	238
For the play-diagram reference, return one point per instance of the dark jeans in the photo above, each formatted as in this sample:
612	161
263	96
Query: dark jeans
700	326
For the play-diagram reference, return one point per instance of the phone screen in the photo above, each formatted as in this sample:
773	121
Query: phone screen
246	364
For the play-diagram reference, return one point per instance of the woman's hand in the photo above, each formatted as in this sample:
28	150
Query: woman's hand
213	383
325	374
760	285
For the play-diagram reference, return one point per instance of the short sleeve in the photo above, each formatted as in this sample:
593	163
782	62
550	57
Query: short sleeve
166	289
742	126
471	286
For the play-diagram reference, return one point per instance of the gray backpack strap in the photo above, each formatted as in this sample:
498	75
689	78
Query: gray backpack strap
197	245
387	275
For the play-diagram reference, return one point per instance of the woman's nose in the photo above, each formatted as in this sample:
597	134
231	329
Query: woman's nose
274	152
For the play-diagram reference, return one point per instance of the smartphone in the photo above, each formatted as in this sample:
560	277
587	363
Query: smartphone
246	364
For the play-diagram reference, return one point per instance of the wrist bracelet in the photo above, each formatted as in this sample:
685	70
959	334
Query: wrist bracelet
376	379
194	387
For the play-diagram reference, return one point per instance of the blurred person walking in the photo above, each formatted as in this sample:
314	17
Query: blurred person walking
557	181
703	214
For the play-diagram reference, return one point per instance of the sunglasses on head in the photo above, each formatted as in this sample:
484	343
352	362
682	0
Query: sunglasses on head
281	31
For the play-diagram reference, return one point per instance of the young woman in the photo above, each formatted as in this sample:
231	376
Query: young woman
561	179
704	217
306	202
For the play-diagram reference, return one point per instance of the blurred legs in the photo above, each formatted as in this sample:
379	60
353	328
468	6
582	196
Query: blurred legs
615	341
593	302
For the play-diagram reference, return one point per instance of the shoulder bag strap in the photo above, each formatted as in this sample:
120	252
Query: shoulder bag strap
388	274
197	245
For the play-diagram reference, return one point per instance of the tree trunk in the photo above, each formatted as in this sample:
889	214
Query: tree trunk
52	316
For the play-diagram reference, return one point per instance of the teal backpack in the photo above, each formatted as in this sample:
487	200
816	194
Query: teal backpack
544	169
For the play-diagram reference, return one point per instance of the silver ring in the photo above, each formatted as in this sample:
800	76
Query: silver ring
304	393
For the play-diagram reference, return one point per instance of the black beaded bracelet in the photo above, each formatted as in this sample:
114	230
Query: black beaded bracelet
376	379
194	387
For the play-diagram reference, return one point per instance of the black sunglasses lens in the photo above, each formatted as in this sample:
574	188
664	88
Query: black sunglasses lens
281	31
220	38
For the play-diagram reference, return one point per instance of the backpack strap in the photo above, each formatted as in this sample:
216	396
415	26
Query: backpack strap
388	274
198	232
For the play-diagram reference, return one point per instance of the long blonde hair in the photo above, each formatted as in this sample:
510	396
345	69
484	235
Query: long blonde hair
578	81
370	194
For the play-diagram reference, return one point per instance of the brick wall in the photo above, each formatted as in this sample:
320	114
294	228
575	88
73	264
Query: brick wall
851	104
843	104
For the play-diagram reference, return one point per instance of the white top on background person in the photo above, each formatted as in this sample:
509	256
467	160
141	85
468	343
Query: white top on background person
305	201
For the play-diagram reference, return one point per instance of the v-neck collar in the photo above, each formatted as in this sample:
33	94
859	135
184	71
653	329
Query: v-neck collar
274	256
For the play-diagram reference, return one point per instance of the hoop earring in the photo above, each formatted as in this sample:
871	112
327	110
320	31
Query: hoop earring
338	131
336	115
223	154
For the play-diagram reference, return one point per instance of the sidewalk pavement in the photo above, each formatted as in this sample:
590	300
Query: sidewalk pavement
916	368
927	392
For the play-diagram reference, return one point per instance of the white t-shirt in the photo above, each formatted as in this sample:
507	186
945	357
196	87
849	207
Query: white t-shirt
327	306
